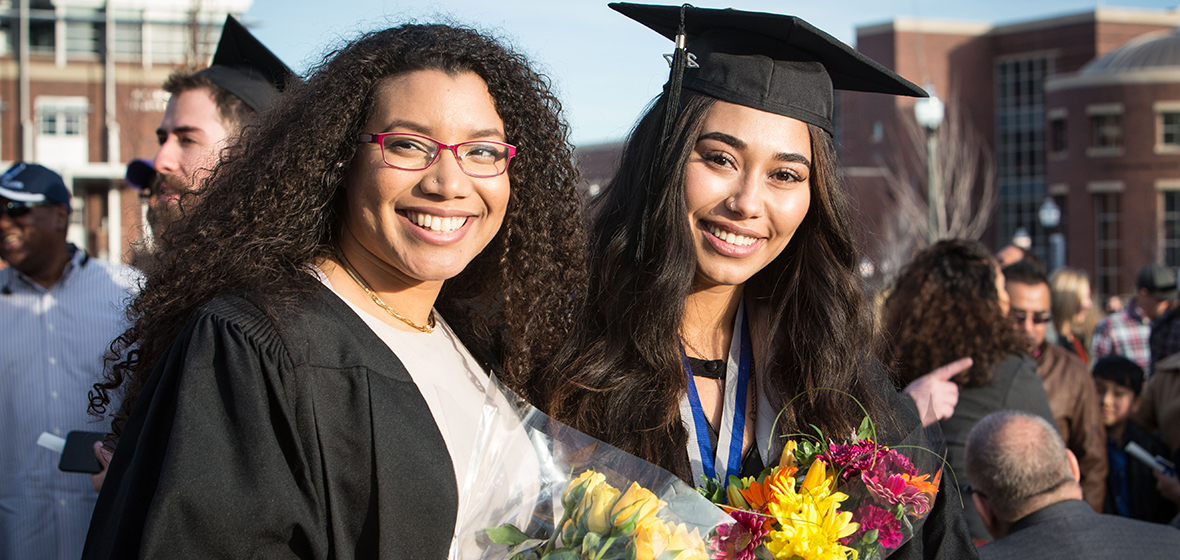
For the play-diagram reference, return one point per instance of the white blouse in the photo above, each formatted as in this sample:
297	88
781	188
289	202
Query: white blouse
450	380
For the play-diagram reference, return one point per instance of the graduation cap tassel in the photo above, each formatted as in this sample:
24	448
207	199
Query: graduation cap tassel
678	62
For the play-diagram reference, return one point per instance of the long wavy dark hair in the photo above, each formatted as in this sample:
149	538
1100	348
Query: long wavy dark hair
620	377
274	205
945	306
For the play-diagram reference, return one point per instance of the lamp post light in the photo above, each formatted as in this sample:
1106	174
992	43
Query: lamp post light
1049	215
929	113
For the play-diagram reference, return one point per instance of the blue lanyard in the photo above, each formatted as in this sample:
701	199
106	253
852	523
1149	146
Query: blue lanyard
736	386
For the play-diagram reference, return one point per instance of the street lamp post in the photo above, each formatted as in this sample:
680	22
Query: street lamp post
1049	215
929	113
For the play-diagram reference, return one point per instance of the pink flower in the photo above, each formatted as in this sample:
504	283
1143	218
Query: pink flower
738	541
894	489
866	455
872	518
853	458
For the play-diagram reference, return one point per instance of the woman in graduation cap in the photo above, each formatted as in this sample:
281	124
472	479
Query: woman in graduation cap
307	365
724	279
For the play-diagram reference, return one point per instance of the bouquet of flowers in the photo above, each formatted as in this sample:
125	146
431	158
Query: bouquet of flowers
538	489
854	499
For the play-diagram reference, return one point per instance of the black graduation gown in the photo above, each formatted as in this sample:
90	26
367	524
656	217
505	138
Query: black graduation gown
256	439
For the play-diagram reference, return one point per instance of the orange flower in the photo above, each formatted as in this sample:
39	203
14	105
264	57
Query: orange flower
758	494
922	483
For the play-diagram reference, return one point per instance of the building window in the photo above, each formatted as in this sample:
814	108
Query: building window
1171	228
1021	148
62	121
83	32
1107	131
1169	130
62	138
1057	144
1106	243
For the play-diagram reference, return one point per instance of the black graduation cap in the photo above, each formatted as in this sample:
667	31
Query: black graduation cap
244	67
774	63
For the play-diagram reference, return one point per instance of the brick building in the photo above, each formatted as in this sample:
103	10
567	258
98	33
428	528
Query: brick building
1010	84
80	93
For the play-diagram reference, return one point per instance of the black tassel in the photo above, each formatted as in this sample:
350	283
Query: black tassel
671	113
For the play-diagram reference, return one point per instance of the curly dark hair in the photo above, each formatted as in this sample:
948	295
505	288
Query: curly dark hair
274	205
620	377
945	306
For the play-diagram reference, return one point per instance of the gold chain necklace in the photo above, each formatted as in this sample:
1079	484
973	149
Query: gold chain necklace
356	277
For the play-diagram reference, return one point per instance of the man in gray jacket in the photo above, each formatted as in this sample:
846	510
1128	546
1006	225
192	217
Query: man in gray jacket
1025	487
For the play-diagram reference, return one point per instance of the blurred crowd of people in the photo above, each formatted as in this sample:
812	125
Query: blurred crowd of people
1043	354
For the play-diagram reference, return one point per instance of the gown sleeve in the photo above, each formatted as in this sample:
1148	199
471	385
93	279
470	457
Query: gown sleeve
210	465
944	535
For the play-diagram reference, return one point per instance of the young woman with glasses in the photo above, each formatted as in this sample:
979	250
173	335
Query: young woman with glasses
307	364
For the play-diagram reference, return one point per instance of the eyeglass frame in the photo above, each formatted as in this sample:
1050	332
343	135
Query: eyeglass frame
379	139
22	207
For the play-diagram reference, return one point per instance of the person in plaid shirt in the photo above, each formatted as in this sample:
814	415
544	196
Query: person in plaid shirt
1127	332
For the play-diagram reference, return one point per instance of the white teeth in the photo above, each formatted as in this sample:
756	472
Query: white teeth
437	224
730	237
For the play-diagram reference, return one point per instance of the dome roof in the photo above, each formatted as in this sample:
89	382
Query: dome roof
1154	50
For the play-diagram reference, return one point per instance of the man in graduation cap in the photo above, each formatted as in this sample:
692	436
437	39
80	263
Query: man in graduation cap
204	115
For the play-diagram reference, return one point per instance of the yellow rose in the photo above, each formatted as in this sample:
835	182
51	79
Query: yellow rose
651	539
637	505
578	488
595	507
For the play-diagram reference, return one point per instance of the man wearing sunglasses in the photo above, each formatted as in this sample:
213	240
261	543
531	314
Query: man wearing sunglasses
1071	391
59	312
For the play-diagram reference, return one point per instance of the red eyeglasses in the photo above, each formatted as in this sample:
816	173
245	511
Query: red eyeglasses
414	152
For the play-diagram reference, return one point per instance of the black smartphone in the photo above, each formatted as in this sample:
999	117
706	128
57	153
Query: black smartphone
78	455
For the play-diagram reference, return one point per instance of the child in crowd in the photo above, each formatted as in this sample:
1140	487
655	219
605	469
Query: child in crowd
1130	485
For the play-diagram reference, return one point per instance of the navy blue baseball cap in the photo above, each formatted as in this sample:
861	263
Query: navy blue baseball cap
29	182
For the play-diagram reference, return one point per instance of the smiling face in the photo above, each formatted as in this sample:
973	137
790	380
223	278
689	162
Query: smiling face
747	188
1118	402
35	242
425	226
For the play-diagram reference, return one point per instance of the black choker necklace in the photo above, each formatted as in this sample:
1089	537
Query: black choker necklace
712	369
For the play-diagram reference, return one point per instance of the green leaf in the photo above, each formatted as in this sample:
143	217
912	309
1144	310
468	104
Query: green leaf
506	534
590	544
563	554
866	430
527	546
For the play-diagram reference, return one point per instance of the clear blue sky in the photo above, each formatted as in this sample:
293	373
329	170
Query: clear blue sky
605	67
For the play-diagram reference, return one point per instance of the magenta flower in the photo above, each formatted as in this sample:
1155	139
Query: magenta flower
894	489
853	458
738	541
887	526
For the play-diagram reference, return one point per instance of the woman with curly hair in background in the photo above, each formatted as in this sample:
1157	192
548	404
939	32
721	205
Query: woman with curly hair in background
950	302
297	382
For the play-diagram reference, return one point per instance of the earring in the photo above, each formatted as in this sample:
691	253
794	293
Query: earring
729	204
